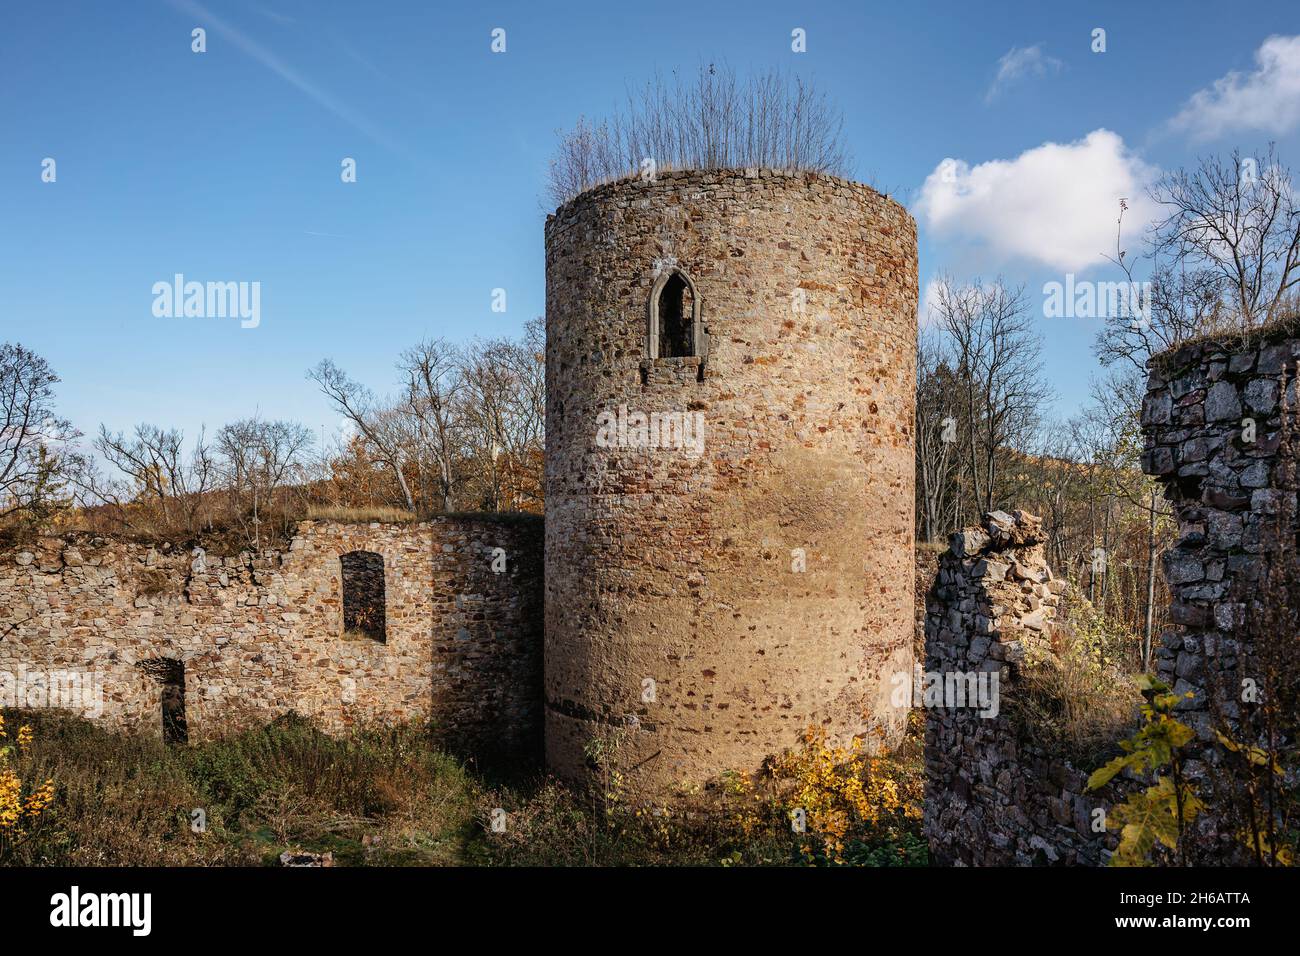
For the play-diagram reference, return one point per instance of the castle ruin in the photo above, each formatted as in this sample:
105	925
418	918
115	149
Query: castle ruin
1214	419
727	551
710	601
728	532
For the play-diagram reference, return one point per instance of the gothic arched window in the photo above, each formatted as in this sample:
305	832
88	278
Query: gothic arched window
674	317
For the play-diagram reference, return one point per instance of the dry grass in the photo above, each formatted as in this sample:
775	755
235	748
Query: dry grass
381	795
1230	336
711	120
151	581
379	513
387	796
1074	702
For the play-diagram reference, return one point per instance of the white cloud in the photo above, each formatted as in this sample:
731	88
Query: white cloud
929	313
1018	62
1266	99
1056	204
929	302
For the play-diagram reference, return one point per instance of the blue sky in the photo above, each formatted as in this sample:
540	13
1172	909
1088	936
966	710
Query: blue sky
225	165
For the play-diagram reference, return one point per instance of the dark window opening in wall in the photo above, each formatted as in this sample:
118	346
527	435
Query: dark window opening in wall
676	313
170	674
363	596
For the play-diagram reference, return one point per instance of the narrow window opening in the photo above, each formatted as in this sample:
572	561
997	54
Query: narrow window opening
170	674
676	319
363	596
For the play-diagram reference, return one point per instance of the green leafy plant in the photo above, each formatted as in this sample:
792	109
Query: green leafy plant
1161	813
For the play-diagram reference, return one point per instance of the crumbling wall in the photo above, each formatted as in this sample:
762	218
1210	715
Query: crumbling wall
260	634
994	796
1213	422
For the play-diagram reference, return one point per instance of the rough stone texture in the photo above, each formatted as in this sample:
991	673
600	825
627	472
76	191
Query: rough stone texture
1212	419
262	634
994	797
677	569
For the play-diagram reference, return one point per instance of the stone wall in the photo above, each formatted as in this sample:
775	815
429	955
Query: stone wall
261	634
713	602
1213	422
994	796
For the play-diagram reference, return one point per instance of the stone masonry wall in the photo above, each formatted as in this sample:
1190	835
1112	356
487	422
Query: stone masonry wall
261	634
707	604
993	796
1213	424
1212	418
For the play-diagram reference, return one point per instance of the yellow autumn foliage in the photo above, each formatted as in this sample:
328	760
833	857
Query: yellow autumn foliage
835	788
19	810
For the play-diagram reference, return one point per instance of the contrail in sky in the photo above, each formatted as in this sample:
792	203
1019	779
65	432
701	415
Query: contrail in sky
272	62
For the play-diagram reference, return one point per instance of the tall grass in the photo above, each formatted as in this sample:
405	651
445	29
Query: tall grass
1077	698
380	795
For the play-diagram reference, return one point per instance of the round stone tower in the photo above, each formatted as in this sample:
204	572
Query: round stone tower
730	365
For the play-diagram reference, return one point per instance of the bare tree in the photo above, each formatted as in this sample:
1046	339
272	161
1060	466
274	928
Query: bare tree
504	413
1051	485
1224	256
466	430
433	390
1116	450
710	121
257	457
937	458
385	430
997	356
158	473
1237	220
32	436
